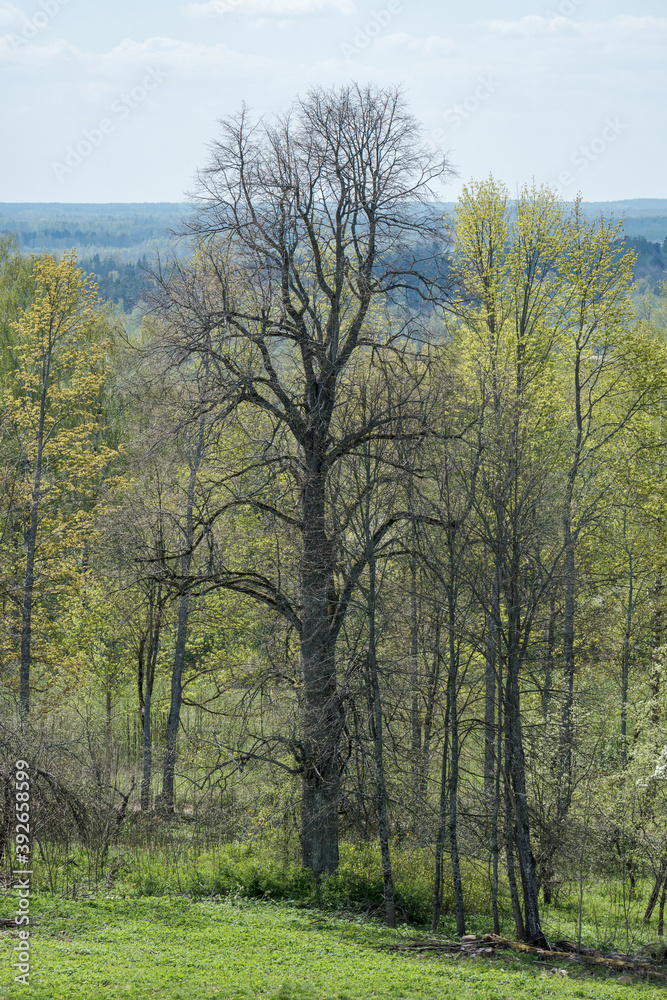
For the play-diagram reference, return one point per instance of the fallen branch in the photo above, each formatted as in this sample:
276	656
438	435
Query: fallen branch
472	946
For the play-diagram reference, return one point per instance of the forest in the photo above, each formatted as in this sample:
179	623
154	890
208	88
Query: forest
343	575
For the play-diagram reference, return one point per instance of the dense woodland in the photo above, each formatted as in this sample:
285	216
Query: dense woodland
115	243
358	537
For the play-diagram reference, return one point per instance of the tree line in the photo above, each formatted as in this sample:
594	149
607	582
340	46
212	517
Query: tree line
377	496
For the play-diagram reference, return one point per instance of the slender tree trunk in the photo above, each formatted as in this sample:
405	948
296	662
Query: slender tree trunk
442	828
549	645
108	750
146	745
510	823
569	545
658	640
491	666
174	718
625	671
516	765
659	880
533	930
661	909
433	680
152	649
567	701
141	670
173	722
31	549
377	732
495	817
26	621
452	701
509	857
415	726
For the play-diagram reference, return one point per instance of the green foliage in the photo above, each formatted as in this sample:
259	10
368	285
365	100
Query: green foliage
547	293
183	950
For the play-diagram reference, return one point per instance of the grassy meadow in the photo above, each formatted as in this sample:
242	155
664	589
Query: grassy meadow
233	949
237	922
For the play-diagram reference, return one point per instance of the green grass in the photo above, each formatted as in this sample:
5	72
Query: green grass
611	914
184	949
259	871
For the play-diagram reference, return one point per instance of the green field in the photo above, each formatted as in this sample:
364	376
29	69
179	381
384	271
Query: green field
234	949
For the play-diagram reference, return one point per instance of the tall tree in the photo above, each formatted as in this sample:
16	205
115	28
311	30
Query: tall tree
505	261
53	404
598	349
306	222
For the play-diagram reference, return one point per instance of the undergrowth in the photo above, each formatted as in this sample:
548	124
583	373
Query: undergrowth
611	914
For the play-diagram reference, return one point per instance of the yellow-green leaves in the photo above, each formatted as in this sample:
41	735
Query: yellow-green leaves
52	407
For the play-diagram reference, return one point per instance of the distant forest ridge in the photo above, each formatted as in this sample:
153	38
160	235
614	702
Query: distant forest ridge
117	241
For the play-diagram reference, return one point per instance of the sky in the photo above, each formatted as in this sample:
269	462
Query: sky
117	102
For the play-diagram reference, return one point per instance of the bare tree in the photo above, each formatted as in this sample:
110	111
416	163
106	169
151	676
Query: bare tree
312	229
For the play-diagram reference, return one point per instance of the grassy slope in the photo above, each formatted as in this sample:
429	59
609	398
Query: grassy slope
101	949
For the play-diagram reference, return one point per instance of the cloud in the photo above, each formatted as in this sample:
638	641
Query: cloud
647	23
10	16
278	8
431	47
17	50
529	27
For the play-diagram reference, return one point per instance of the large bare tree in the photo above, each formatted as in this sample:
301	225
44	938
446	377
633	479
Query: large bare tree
313	235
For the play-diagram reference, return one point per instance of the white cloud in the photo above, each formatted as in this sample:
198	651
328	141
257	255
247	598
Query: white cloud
432	46
10	16
278	8
646	23
16	49
529	27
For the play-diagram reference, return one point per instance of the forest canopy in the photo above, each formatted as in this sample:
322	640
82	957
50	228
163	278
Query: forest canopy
358	536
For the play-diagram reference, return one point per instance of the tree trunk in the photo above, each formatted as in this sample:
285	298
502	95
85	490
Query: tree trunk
152	648
378	749
174	718
26	621
415	726
173	722
510	821
433	680
549	644
452	701
108	750
659	880
490	691
658	639
661	909
567	729
442	830
625	671
146	746
495	817
533	930
31	543
569	544
29	578
322	723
